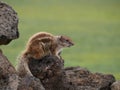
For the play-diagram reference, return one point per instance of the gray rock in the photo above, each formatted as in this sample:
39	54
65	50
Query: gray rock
8	24
8	75
30	83
50	70
83	79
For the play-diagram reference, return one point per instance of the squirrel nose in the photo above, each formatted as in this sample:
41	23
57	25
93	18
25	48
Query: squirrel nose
71	44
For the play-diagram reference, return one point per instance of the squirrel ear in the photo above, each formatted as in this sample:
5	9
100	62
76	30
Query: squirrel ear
60	37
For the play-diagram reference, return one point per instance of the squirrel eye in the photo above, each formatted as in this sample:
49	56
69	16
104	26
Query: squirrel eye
67	40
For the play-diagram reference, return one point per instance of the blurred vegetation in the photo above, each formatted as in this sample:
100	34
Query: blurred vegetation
94	26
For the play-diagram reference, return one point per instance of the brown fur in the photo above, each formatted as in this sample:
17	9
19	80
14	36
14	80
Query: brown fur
39	45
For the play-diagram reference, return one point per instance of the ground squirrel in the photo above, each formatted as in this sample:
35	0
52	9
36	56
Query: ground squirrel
40	45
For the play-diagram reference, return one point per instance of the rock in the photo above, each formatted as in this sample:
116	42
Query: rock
83	79
8	31
115	85
47	67
50	70
30	83
5	66
8	75
8	24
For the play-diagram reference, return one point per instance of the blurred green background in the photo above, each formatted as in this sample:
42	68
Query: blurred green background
94	26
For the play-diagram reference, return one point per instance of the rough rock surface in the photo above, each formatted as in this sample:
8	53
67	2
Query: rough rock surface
46	67
50	70
30	83
8	75
8	24
8	31
85	80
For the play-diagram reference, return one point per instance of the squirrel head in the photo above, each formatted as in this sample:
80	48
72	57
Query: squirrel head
65	41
